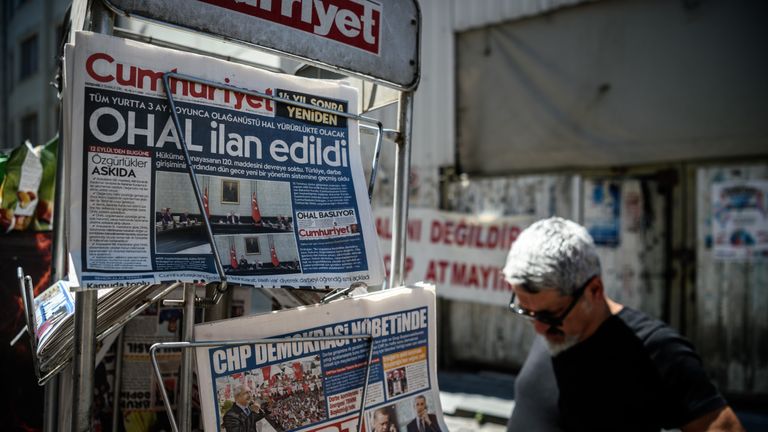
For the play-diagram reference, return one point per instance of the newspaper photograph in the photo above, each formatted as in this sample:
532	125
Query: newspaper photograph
314	385
282	185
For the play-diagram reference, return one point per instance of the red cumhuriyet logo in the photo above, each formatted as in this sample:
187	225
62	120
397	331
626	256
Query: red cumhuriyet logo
102	67
352	22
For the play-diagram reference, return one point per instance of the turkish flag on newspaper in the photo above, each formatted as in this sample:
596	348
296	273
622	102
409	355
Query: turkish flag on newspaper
265	372
275	261
205	203
233	257
298	372
255	213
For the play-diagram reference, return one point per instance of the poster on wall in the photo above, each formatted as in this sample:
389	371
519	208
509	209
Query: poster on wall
462	254
602	211
282	186
740	219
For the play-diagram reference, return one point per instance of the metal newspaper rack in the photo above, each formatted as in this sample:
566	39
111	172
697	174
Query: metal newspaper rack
393	60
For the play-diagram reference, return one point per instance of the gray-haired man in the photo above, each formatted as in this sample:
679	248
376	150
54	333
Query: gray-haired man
244	414
596	364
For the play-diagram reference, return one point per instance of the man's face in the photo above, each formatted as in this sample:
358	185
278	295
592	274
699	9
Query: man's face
243	398
552	302
380	422
421	406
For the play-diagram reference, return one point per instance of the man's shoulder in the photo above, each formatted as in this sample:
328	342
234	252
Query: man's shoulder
647	328
661	342
233	411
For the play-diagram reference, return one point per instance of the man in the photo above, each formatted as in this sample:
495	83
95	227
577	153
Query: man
242	416
424	422
595	364
383	420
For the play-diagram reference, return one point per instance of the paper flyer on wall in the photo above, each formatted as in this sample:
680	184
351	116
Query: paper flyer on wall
317	385
740	219
283	186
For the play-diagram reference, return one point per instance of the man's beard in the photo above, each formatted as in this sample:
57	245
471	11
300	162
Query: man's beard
556	348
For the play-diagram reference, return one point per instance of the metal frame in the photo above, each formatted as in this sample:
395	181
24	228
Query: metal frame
83	360
196	344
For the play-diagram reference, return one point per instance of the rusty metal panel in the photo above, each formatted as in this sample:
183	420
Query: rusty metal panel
370	39
731	297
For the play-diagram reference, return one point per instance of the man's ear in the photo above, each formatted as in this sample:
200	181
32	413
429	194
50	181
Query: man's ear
596	288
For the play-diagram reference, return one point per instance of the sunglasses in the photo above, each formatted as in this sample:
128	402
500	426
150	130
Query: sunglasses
547	317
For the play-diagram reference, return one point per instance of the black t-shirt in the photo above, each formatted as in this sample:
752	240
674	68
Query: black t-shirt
633	374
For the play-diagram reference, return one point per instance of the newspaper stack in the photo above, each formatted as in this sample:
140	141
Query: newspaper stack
54	313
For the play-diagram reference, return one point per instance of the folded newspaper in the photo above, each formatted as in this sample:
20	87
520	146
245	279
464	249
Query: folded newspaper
54	316
282	185
317	385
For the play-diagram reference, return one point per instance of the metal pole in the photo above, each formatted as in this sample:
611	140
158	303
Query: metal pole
185	380
51	406
84	358
58	260
118	383
220	310
400	205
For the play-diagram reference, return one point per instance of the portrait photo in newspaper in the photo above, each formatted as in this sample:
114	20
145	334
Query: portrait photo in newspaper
314	385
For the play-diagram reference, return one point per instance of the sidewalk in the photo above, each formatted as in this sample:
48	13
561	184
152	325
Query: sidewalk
476	401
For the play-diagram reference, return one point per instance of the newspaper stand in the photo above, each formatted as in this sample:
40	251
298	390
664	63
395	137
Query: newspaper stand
393	60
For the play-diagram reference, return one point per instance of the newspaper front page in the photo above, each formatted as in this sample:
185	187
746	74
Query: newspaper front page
283	186
317	385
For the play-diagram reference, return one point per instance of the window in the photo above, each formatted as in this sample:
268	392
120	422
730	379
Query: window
29	128
28	57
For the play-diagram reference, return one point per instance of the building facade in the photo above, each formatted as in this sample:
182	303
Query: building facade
30	39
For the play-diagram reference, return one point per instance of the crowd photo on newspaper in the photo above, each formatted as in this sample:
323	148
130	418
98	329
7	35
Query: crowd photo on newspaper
316	381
